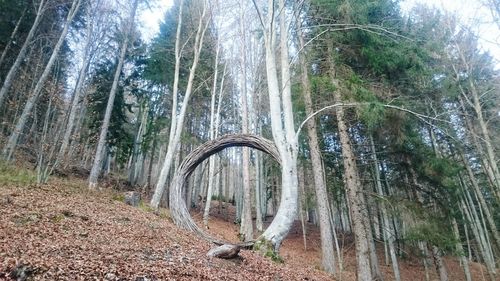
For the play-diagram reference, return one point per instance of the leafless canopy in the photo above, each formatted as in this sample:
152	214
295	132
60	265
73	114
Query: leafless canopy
178	209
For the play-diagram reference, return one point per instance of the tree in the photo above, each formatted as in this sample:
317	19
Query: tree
283	130
98	158
177	118
97	23
327	250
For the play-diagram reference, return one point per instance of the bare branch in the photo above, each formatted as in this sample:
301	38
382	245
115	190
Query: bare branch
420	116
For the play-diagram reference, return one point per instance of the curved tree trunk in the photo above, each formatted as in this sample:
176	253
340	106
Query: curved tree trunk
280	104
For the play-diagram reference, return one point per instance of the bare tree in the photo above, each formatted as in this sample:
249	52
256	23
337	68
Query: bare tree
95	32
282	124
213	128
246	229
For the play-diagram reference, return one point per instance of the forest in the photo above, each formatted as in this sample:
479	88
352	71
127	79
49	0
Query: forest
367	133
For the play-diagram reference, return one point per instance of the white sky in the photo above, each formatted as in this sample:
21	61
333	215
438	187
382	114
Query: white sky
471	13
150	18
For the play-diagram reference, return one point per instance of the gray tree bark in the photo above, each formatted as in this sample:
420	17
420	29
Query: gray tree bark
460	250
212	133
282	125
79	86
246	229
387	226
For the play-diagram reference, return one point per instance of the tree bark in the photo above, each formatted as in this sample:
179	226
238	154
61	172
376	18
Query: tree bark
460	250
76	96
283	134
438	260
301	205
246	229
387	227
211	132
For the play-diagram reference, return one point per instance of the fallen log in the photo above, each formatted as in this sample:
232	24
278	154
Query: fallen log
226	251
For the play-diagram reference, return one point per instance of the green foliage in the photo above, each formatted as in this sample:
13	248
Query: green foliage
436	232
10	174
118	137
265	248
217	197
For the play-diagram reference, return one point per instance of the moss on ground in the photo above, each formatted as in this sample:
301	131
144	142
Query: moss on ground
266	248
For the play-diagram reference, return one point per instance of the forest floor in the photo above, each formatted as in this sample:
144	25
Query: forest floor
63	231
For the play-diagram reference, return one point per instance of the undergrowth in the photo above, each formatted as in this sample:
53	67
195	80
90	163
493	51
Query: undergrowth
10	174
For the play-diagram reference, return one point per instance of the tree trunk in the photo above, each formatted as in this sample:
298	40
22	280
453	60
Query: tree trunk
283	132
246	229
460	250
387	226
76	96
258	191
9	78
438	260
482	202
301	205
211	132
137	153
478	232
13	138
327	250
354	193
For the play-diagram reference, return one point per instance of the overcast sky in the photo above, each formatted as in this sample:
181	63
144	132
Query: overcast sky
150	18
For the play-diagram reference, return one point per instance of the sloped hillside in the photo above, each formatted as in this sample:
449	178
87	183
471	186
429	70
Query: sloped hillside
62	231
